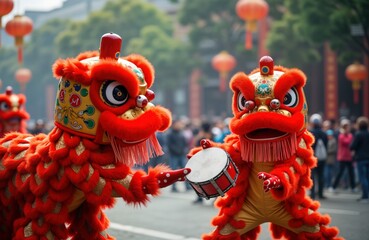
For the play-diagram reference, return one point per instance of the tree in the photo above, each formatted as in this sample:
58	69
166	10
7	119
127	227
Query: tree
214	26
40	55
333	21
123	17
62	39
297	37
285	38
8	66
160	48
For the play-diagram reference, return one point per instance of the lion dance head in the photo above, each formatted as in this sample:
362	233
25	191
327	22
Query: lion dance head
13	115
106	98
269	110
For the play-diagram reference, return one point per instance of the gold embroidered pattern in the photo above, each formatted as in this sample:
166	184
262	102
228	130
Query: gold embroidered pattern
302	144
38	179
28	230
25	176
60	144
78	198
2	167
57	208
20	155
100	186
6	144
109	166
76	168
228	229
90	172
299	161
124	182
80	149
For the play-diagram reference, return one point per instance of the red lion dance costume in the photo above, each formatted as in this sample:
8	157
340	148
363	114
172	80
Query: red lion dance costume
271	147
12	112
55	186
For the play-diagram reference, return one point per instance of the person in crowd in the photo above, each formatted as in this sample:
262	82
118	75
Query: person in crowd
331	159
188	131
321	140
344	156
177	149
221	130
40	127
360	146
204	133
161	159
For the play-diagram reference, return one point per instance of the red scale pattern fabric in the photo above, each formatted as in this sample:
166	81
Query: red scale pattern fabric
40	177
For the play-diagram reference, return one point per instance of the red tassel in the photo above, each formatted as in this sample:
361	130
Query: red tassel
222	81
248	40
356	96
20	55
271	151
139	153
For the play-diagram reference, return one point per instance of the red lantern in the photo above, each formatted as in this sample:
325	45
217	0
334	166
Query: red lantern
23	76
251	11
18	27
223	63
6	6
356	73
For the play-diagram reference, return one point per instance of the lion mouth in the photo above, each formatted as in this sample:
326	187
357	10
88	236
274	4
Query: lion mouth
265	134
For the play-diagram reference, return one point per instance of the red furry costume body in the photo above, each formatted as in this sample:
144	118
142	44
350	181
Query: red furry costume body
55	186
12	112
272	150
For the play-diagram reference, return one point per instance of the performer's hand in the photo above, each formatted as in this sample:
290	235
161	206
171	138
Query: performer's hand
270	181
205	143
169	177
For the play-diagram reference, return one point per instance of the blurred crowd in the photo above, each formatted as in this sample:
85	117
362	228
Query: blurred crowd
39	126
344	168
345	165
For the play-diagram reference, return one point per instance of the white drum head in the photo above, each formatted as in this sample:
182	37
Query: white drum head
206	164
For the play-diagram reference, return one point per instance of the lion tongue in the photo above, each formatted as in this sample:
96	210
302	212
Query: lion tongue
139	153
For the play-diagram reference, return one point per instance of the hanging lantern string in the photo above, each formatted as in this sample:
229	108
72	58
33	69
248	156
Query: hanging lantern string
18	27
6	6
250	11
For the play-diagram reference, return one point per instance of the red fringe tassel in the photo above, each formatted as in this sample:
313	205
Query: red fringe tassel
271	151
138	153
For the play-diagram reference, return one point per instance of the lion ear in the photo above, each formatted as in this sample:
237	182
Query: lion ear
146	67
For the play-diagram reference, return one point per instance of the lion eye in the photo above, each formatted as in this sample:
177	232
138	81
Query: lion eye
291	99
4	106
241	102
114	93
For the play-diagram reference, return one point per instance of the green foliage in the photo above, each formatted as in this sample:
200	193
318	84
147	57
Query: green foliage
8	66
63	39
332	21
287	46
297	32
160	48
124	17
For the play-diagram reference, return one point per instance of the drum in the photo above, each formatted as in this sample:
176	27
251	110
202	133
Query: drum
213	172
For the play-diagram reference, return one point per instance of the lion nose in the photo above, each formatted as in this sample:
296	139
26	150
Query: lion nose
263	108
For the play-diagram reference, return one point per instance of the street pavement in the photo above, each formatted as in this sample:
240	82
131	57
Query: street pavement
173	216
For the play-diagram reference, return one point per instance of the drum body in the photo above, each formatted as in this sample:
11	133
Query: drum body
213	172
